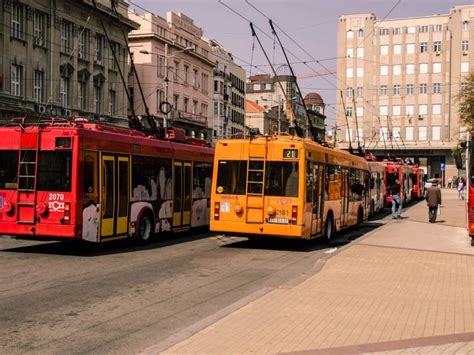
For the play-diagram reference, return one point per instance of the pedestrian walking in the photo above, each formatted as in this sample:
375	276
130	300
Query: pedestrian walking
433	200
396	200
461	189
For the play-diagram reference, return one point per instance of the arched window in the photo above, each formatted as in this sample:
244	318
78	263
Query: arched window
465	26
360	33
349	34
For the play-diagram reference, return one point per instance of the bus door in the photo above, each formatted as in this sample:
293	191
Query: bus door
344	196
182	194
114	196
317	207
255	199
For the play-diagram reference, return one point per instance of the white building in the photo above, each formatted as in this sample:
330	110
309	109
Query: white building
400	79
228	110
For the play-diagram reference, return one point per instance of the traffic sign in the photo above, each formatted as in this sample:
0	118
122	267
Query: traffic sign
442	166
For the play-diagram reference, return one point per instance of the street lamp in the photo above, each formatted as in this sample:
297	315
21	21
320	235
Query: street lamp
187	49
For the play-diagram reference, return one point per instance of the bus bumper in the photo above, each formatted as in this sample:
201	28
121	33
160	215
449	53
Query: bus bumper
254	229
53	231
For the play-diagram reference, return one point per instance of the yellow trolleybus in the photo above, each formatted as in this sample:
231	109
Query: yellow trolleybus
287	187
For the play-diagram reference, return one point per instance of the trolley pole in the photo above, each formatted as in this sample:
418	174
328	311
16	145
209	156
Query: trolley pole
279	116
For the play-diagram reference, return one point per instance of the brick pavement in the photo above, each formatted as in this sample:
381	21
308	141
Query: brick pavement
406	287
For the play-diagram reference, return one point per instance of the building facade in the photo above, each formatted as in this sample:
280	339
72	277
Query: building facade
267	92
228	106
399	82
174	65
55	59
264	119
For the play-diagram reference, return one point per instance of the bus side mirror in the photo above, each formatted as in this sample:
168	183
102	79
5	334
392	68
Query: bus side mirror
458	159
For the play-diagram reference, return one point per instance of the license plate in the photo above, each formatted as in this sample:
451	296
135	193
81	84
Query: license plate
277	220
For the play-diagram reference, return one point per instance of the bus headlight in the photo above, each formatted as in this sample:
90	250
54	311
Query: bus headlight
238	209
7	206
42	208
271	211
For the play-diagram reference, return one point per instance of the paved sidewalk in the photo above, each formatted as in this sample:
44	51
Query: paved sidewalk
407	287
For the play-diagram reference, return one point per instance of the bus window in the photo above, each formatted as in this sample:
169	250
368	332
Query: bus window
54	171
8	169
356	182
281	179
309	181
151	179
91	193
202	175
231	177
333	183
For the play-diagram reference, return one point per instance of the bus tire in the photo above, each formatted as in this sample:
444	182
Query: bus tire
329	229
145	229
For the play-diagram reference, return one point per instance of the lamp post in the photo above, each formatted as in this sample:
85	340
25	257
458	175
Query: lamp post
166	80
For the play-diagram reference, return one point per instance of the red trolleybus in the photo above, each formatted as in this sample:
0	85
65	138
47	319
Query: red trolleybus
73	180
470	183
377	186
286	187
397	170
417	178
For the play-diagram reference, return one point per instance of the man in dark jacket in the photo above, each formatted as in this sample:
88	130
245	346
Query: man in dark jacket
433	199
396	200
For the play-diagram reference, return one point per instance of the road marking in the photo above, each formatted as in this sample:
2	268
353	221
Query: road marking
330	251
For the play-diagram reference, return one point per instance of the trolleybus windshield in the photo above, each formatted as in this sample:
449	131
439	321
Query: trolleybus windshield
8	169
281	179
54	171
231	177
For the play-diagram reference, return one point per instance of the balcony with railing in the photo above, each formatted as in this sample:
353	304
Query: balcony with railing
188	117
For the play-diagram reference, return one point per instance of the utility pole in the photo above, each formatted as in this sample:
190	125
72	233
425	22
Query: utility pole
165	88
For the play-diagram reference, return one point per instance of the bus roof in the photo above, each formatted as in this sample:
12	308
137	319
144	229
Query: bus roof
318	152
101	137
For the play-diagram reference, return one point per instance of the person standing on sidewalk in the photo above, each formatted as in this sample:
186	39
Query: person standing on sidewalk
433	200
461	189
396	200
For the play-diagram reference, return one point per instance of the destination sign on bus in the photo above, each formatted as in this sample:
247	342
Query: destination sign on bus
290	153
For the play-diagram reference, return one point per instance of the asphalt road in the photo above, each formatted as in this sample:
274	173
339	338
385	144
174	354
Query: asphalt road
122	298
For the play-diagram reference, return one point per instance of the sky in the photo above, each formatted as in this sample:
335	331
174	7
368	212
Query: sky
309	24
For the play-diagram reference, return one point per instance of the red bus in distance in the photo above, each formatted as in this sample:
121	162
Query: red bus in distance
400	171
418	181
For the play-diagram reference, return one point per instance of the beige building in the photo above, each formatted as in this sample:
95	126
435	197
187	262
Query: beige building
399	78
174	65
228	107
55	59
266	91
